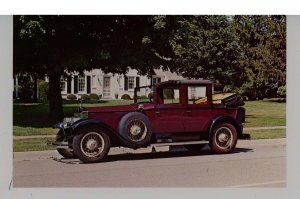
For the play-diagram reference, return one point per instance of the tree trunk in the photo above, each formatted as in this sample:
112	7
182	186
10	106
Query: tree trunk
55	99
35	92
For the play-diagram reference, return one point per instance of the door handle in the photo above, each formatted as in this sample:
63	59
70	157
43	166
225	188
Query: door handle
157	113
189	112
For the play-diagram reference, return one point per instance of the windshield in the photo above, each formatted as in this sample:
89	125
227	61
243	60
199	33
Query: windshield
143	94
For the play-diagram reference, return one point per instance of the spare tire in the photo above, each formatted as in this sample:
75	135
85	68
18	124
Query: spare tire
135	128
233	101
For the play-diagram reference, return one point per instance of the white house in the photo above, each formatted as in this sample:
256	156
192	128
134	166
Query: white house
112	86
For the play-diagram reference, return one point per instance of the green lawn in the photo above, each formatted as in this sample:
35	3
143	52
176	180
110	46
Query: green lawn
32	118
265	113
36	144
267	134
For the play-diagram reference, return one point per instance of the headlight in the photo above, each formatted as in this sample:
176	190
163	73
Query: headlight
68	121
84	114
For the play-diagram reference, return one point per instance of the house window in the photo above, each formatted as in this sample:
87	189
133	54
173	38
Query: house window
62	84
156	80
94	81
81	83
130	82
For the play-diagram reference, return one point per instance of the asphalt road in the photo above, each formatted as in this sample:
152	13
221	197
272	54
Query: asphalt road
255	163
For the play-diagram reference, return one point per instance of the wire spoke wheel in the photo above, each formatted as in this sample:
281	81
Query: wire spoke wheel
136	130
224	137
92	144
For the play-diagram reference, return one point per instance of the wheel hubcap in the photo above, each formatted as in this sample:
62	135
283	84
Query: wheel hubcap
92	144
224	137
136	130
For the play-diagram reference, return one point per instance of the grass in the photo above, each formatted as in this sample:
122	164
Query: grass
267	134
27	131
265	113
32	118
36	144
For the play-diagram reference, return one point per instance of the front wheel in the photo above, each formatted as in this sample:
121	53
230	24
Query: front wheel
91	144
223	138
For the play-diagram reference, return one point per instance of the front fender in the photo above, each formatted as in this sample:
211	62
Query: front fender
115	136
228	119
85	122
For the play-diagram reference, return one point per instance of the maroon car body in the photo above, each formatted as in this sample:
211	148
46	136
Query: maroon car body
142	124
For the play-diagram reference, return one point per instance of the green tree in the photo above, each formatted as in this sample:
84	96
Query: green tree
263	40
55	45
204	47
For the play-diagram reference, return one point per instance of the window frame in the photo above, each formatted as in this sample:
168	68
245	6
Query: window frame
133	83
80	77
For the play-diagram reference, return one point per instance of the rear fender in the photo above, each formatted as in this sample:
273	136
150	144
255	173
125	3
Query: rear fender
227	119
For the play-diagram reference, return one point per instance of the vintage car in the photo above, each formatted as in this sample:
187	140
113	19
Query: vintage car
181	112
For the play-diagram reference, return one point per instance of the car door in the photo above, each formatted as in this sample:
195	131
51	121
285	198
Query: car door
198	109
169	115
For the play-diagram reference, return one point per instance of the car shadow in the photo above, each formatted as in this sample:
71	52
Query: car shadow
169	154
156	155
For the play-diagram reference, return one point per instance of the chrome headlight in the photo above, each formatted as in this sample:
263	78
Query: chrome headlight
68	121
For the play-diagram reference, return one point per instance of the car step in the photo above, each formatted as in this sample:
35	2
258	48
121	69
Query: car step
178	143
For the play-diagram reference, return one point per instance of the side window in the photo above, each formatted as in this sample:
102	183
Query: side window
171	95
197	95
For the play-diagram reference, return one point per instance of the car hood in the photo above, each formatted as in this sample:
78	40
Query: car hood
120	108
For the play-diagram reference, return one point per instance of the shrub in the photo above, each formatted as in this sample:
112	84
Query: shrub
125	97
143	97
282	91
94	96
150	95
71	97
85	97
100	96
43	90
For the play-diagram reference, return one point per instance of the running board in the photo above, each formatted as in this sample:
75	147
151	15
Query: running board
179	143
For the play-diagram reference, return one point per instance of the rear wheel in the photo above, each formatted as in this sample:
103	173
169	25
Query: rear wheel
223	138
91	144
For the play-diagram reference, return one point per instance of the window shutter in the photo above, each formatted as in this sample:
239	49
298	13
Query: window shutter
69	82
137	83
88	84
126	83
76	84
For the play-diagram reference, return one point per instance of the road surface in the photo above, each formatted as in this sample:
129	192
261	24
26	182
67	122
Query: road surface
255	163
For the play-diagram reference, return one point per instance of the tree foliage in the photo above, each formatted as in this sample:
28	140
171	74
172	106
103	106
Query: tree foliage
263	40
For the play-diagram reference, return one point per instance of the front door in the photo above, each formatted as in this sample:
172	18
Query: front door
169	115
106	87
